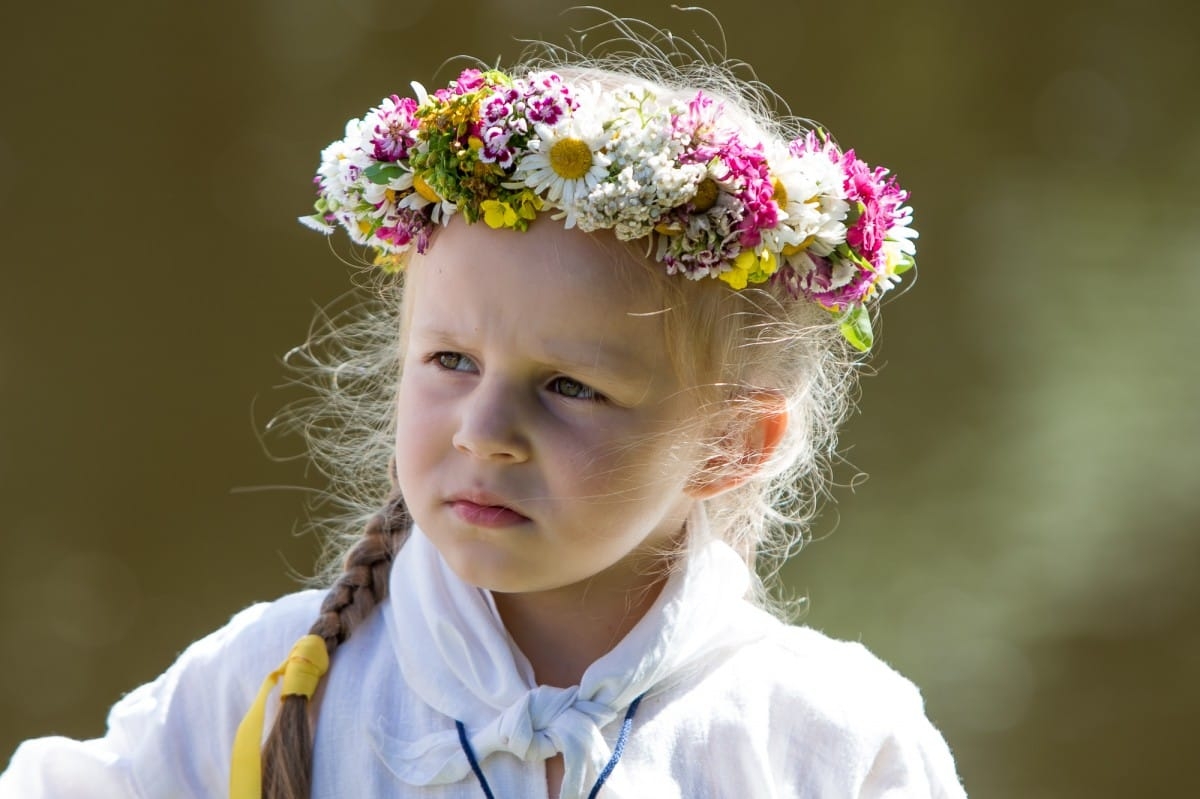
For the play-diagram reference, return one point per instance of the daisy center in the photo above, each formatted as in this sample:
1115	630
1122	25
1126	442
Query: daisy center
706	195
793	249
570	158
780	196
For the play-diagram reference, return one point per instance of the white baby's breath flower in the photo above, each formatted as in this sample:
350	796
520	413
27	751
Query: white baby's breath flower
646	180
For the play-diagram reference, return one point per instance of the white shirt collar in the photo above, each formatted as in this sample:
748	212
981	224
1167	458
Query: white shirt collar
457	657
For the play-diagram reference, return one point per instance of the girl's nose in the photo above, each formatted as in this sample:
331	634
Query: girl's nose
490	427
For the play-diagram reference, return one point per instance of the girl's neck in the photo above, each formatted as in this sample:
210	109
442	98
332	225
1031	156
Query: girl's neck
563	631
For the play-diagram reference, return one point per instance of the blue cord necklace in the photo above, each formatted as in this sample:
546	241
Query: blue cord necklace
618	750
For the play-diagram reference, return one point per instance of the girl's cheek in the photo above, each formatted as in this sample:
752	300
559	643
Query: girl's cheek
418	392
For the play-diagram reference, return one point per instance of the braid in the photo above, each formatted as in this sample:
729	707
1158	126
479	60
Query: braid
288	753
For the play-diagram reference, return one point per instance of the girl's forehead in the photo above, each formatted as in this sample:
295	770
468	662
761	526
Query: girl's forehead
557	291
547	267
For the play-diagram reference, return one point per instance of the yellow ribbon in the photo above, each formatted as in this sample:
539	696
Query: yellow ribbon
305	665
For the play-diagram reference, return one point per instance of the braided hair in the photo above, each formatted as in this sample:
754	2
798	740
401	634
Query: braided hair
288	751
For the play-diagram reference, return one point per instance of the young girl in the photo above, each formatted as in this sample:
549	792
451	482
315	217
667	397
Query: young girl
626	311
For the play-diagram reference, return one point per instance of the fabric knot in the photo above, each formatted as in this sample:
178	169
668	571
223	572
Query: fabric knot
301	672
539	724
521	728
305	666
544	722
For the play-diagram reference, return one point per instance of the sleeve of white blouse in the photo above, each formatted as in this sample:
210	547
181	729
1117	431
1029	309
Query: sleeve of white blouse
170	737
913	761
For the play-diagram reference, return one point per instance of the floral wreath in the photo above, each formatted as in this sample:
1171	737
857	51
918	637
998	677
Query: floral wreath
805	216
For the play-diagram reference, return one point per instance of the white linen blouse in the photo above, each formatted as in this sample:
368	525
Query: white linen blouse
736	705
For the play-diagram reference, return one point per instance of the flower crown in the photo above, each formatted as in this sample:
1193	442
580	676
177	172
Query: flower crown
710	201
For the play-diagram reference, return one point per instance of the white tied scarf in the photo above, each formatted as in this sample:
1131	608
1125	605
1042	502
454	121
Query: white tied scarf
457	657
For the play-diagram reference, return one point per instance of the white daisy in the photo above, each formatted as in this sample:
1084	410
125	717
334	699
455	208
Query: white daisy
376	193
342	179
342	165
811	194
829	200
565	161
902	234
793	185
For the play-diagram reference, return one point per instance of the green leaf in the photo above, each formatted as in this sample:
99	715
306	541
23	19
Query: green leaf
849	254
856	210
382	173
498	77
856	328
904	266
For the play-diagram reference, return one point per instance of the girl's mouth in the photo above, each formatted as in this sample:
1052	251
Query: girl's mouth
482	515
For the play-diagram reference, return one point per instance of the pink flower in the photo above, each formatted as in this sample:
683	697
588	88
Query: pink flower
495	147
548	99
746	168
394	131
699	123
879	199
405	225
813	143
740	171
834	283
497	107
468	81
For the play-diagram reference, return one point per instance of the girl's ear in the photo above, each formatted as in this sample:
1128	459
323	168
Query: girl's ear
745	446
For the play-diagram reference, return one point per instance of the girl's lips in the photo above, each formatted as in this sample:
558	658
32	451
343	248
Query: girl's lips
495	516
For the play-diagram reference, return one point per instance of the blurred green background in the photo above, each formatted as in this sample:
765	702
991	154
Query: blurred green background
1026	546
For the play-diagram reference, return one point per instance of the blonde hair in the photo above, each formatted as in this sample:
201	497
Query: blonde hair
761	348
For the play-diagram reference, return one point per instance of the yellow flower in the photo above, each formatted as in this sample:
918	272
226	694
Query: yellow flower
767	264
422	187
458	114
750	267
498	214
528	204
391	262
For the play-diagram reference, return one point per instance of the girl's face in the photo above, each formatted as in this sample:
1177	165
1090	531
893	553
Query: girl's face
543	440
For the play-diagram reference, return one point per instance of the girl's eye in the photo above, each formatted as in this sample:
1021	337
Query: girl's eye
573	389
453	361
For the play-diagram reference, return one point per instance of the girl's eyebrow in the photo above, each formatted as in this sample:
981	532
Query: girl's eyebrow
434	336
616	361
611	359
616	365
